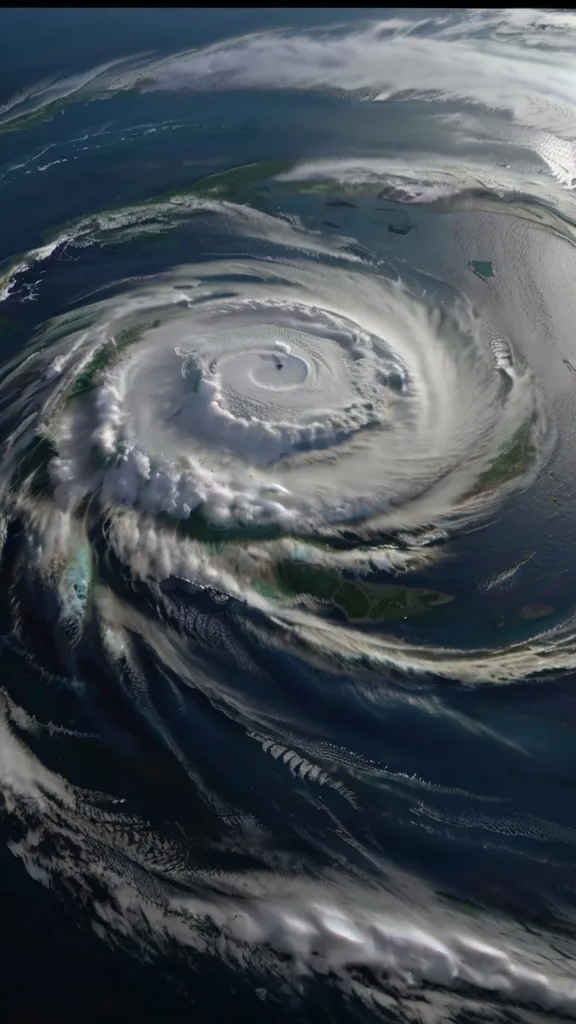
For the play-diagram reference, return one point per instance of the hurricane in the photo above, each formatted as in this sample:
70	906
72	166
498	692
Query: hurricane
287	406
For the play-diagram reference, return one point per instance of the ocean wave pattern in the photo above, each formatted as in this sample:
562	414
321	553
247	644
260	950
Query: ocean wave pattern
286	509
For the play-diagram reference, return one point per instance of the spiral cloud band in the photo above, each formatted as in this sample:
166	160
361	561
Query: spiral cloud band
310	394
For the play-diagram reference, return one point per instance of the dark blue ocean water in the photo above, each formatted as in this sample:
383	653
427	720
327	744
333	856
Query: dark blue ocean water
188	758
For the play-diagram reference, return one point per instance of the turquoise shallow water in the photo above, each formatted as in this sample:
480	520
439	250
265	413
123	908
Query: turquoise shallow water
286	504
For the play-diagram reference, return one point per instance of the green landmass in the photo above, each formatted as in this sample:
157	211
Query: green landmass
360	601
246	174
510	461
108	354
31	117
28	118
226	183
345	193
197	527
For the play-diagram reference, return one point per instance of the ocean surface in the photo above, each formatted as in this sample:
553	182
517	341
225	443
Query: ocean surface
287	506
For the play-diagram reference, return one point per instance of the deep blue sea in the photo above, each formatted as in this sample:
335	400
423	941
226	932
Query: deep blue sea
287	496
